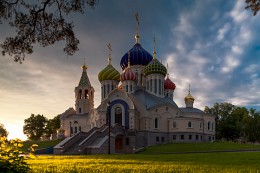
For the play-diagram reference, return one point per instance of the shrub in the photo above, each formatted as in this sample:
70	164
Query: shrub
11	157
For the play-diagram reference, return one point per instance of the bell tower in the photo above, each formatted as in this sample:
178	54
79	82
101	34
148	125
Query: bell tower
84	94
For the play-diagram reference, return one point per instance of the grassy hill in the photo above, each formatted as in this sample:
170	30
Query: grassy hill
198	147
41	144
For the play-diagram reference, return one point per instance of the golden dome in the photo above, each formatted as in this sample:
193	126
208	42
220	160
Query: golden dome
189	97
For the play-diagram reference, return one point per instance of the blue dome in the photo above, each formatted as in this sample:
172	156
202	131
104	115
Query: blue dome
138	56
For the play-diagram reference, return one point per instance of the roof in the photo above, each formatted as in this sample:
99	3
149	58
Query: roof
191	110
149	101
84	80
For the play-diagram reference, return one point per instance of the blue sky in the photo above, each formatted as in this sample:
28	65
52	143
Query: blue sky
213	45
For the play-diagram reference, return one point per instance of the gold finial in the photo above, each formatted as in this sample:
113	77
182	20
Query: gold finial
84	67
137	28
154	48
128	60
189	88
109	53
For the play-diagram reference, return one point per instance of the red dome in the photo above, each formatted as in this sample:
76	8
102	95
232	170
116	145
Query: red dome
168	84
128	75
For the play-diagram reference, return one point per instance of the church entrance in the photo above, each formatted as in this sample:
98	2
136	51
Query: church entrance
118	115
119	144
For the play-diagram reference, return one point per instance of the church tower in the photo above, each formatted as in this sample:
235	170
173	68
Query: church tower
84	94
189	100
169	86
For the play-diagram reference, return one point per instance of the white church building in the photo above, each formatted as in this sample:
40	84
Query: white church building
140	105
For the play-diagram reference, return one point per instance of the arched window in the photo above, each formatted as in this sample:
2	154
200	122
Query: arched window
212	126
156	123
155	86
80	94
174	125
80	110
200	125
209	125
86	94
160	87
118	115
151	85
189	124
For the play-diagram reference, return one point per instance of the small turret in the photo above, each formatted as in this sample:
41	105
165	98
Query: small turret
189	100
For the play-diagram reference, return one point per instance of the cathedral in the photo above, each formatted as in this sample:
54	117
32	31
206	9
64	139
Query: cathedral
137	109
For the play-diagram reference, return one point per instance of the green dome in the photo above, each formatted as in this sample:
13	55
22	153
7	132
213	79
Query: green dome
109	73
155	67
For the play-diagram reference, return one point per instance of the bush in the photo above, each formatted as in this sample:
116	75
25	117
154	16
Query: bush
11	157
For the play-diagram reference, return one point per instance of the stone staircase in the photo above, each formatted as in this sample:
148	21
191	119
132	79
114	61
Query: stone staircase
94	141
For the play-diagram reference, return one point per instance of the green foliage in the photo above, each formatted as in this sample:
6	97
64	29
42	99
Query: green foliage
52	126
3	131
34	127
40	22
12	159
234	122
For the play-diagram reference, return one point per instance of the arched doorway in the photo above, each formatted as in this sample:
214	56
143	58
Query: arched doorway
119	143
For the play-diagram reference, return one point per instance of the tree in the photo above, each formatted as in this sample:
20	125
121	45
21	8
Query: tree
3	131
52	126
253	5
221	111
252	126
41	22
34	126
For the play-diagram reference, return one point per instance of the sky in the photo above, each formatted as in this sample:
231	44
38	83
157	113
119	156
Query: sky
212	45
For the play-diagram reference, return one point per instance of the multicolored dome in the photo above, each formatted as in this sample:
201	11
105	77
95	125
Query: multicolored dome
155	67
138	56
109	73
168	84
128	75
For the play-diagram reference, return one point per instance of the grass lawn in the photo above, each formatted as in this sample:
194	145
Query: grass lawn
148	162
41	144
196	147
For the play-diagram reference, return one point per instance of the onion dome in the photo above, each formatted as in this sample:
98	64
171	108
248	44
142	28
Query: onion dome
109	73
189	97
128	74
168	84
138	56
155	67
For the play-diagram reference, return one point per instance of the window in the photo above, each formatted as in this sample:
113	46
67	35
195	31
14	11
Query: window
209	138
80	94
126	88
189	124
131	88
157	139
162	139
112	87
108	88
190	137
167	108
118	115
209	125
197	137
151	88
80	128
76	129
127	141
155	86
212	126
174	124
156	123
80	110
147	85
86	94
200	125
71	130
104	92
174	137
201	138
182	137
160	87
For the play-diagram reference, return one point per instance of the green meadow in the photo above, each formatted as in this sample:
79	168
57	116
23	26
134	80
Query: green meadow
147	161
